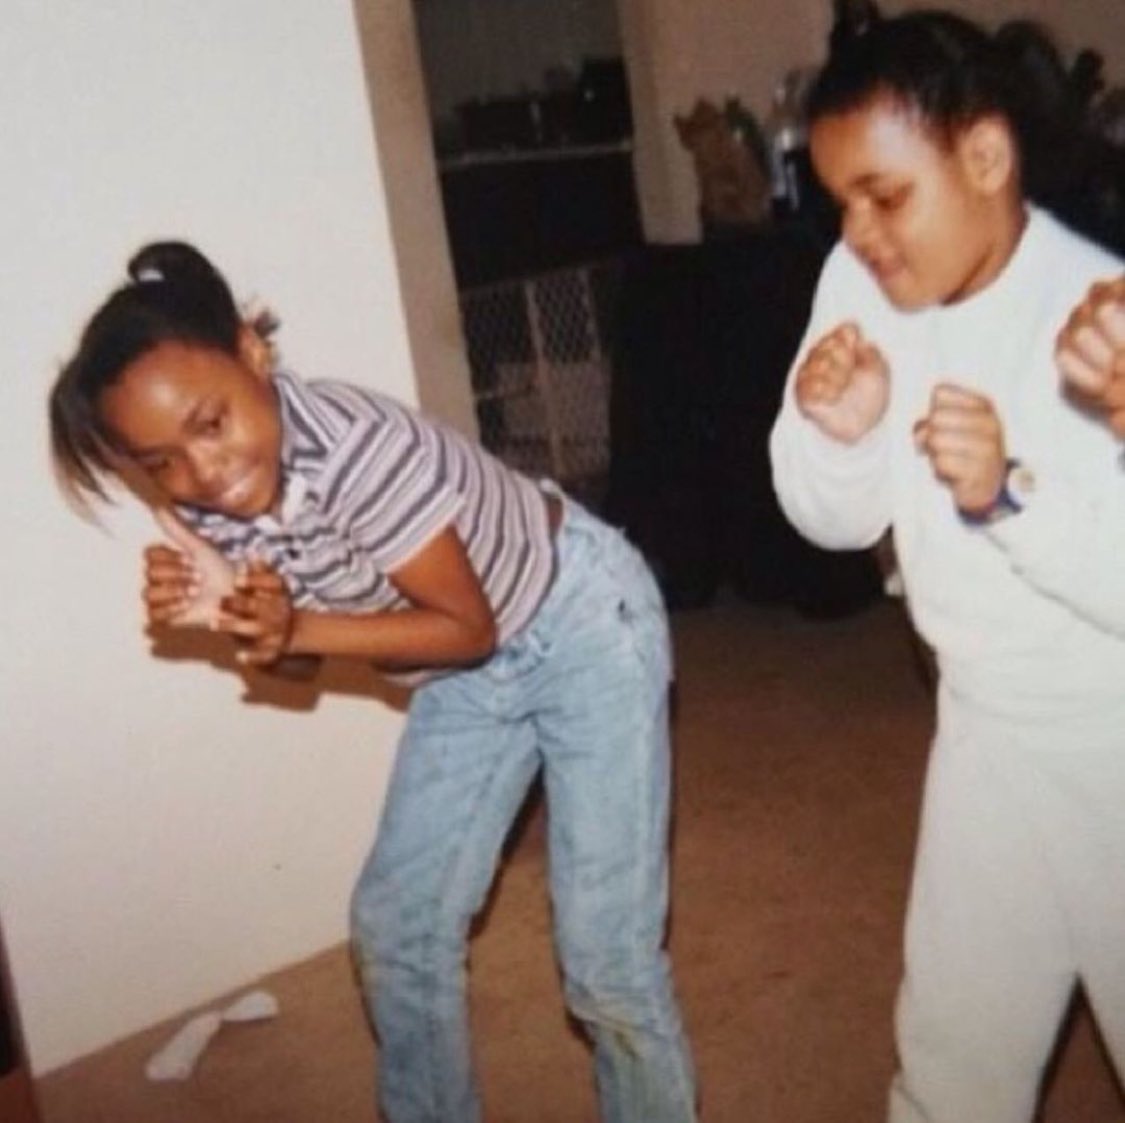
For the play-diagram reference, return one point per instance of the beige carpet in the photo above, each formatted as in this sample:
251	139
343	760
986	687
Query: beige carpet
800	754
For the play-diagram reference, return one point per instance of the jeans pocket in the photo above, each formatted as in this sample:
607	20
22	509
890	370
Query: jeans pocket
639	609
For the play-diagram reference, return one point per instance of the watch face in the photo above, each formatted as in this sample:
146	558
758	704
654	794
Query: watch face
1020	484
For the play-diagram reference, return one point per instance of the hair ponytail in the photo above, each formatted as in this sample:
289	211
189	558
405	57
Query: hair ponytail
174	280
1069	167
1049	113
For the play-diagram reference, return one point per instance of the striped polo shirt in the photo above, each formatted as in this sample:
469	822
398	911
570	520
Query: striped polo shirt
367	484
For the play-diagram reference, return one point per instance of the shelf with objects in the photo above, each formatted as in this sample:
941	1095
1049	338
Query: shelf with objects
540	180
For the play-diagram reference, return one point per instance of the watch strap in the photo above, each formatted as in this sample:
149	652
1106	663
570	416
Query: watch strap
1010	499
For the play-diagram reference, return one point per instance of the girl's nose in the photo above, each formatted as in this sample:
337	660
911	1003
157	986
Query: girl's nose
206	471
858	229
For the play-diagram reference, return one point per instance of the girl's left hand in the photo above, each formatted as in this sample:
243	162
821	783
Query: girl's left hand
964	440
184	582
259	614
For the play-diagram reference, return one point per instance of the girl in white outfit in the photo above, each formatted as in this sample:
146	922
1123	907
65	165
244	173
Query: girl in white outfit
927	397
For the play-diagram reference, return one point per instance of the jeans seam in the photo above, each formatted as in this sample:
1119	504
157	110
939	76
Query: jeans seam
433	1023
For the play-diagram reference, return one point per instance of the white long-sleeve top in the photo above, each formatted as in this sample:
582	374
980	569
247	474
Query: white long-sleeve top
1026	614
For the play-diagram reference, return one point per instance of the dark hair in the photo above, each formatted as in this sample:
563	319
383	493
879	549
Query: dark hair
943	67
949	72
174	294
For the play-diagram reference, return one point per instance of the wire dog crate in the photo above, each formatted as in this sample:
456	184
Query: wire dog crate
540	354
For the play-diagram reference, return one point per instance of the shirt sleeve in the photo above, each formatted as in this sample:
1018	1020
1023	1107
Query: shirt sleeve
836	495
388	484
1069	543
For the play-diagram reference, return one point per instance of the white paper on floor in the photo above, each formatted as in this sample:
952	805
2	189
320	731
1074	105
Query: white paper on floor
177	1058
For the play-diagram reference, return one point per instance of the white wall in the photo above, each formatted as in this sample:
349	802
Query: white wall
678	53
161	841
392	63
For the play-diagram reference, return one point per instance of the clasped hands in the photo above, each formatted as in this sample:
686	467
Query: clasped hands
189	584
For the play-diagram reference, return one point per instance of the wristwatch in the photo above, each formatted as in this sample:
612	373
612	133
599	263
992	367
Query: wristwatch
1014	495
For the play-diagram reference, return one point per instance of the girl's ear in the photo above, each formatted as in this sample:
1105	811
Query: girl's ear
988	154
254	351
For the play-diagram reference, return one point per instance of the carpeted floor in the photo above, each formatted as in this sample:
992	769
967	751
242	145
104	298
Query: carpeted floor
800	749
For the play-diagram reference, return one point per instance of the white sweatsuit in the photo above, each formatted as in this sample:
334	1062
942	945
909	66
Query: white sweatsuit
1019	879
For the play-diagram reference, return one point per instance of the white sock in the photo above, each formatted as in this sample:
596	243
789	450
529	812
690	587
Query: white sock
179	1056
177	1059
252	1007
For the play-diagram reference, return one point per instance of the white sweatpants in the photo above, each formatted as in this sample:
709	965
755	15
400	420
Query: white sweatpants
1018	893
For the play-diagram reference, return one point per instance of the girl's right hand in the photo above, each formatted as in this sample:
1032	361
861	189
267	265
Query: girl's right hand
259	614
185	583
1090	351
843	385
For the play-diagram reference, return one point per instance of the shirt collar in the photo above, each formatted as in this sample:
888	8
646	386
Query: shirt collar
296	488
305	439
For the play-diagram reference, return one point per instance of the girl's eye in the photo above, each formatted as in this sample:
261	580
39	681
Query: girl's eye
211	424
156	465
890	200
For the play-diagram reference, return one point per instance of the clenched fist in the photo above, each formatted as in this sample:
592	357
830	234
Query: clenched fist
1090	351
843	385
964	440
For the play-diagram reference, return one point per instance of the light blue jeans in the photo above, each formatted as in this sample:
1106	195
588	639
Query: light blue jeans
580	693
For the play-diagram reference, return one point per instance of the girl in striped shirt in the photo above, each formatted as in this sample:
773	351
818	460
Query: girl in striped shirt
311	519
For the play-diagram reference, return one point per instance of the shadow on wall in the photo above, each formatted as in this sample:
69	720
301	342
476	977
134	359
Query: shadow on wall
298	690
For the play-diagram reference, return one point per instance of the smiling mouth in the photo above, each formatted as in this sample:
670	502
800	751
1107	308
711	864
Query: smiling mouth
884	270
235	494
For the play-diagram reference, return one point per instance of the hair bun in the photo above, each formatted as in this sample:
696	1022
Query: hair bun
172	262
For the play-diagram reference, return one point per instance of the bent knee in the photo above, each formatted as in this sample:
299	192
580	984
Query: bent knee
619	994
